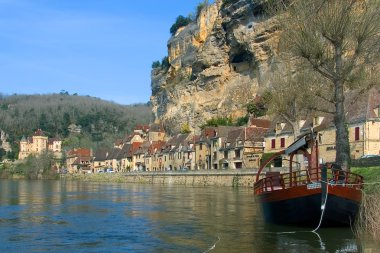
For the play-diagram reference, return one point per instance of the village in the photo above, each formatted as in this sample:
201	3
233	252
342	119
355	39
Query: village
150	149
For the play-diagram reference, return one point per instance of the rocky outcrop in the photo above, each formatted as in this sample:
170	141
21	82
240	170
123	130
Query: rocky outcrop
217	65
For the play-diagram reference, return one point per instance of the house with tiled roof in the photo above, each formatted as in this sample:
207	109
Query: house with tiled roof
79	160
100	159
139	156
242	148
125	158
156	132
153	159
39	143
112	161
179	155
363	124
217	139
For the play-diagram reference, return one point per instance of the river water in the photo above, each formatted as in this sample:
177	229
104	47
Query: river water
72	216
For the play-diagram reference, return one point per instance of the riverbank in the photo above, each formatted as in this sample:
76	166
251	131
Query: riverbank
241	178
368	222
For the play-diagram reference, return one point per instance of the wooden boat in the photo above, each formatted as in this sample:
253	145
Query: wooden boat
320	195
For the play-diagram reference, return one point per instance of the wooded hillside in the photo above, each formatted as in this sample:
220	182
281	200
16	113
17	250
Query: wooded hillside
101	121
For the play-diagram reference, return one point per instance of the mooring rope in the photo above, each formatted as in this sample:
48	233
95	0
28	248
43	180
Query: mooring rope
323	208
213	246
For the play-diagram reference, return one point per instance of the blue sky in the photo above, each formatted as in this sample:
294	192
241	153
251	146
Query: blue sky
100	48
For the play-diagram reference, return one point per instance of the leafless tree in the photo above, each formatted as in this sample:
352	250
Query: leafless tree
338	40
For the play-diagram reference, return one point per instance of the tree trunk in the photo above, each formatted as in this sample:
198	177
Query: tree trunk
342	142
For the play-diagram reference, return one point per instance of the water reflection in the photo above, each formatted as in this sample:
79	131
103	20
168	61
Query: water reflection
64	216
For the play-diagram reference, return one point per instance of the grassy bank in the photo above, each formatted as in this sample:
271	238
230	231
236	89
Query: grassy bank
368	222
371	178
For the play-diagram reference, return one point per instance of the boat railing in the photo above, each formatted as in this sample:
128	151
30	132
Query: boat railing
277	181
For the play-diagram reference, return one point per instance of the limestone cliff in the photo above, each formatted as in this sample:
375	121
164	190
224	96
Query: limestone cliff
217	64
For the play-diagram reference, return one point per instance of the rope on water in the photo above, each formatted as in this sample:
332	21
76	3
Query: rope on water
213	246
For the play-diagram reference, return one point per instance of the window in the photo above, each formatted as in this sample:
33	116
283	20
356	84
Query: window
273	143
237	153
225	154
282	142
279	126
357	133
200	146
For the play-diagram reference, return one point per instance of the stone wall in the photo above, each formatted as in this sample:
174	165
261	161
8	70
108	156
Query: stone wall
230	178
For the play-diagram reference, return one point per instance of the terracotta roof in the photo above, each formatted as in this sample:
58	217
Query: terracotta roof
80	152
156	146
39	132
264	123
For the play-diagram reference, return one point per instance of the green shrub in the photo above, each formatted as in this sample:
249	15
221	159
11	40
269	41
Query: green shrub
181	21
165	63
185	128
242	121
156	64
218	121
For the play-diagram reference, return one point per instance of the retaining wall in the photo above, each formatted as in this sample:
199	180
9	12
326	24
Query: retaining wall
231	178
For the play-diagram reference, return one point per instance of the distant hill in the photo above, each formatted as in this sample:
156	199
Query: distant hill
101	121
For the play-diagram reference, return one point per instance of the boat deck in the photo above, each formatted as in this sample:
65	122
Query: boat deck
273	181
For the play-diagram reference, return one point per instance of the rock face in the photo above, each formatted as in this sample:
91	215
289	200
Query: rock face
217	65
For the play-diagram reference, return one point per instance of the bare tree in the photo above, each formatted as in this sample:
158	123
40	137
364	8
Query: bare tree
292	95
338	40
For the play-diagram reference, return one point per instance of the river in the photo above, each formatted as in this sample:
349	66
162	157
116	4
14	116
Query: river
73	216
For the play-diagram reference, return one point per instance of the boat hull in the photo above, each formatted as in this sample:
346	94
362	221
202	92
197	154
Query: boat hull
301	206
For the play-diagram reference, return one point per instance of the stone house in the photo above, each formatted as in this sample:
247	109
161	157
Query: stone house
179	151
242	148
188	154
125	158
39	143
79	160
139	156
156	132
363	124
100	158
112	161
151	162
216	144
203	149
